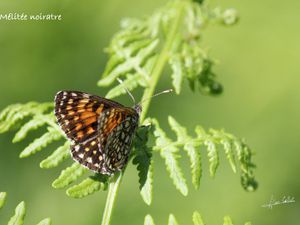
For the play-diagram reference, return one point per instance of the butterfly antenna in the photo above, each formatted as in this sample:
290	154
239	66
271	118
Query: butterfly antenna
157	94
126	89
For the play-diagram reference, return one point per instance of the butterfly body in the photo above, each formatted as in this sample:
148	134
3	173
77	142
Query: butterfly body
101	130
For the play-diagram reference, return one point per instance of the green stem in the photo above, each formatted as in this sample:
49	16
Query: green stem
157	71
161	61
111	198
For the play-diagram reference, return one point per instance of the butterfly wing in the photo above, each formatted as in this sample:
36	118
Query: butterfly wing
77	113
117	149
93	124
101	153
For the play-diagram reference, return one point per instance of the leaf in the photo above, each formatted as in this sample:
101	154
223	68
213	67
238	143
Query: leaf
212	153
33	124
60	154
179	130
248	223
195	160
146	190
175	172
17	112
46	221
69	175
2	198
227	221
168	153
226	140
40	143
131	82
88	186
143	161
148	220
190	148
177	72
197	219
18	217
172	220
131	63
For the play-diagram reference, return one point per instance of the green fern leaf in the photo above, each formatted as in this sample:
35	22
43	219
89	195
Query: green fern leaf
172	220
225	140
190	148
33	124
227	144
227	221
168	153
171	160
212	153
148	220
195	160
60	154
69	175
179	130
18	217
177	72
88	186
46	221
143	161
146	190
15	113
131	63
2	199
131	82
42	142
197	219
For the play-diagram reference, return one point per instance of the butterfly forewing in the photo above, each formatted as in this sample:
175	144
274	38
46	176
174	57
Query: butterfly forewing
96	127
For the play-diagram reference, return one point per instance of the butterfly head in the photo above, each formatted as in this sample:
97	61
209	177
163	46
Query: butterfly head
138	108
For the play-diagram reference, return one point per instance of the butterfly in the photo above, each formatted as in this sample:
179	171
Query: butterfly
101	130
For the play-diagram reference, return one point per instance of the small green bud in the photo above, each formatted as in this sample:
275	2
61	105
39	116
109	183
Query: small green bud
215	88
230	17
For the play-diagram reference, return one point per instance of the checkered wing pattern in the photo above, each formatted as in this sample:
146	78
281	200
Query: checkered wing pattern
96	127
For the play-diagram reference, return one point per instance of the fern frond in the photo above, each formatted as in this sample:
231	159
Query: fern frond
17	112
18	217
197	219
2	199
88	186
41	142
20	212
227	221
169	150
142	158
69	175
59	155
148	220
46	221
140	41
172	220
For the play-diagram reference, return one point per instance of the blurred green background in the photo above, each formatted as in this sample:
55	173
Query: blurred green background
259	68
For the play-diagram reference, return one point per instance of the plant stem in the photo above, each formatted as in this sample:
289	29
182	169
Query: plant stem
157	71
162	60
111	198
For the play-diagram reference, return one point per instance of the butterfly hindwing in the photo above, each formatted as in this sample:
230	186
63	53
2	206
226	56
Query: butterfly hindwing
117	149
88	154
